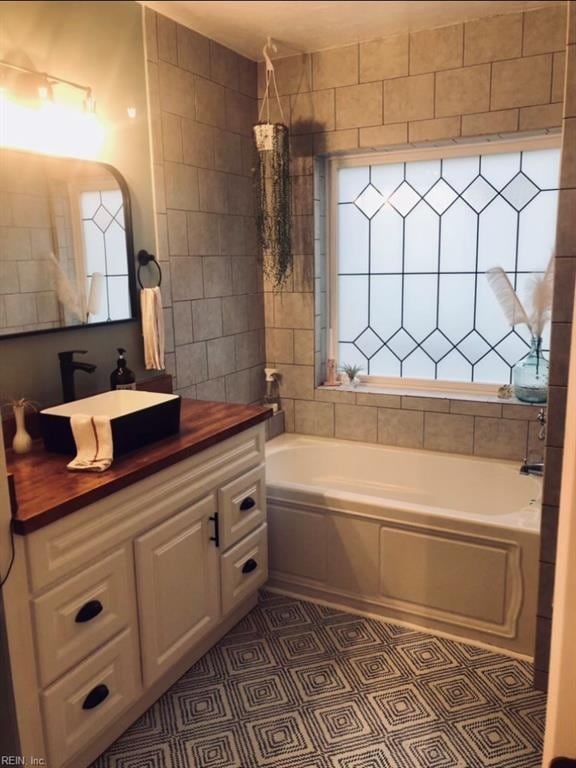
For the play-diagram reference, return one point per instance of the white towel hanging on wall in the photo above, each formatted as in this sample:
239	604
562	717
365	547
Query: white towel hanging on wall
152	328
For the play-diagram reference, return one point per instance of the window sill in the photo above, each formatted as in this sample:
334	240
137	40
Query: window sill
439	394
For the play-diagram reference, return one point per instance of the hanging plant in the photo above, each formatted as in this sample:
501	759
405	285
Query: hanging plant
273	189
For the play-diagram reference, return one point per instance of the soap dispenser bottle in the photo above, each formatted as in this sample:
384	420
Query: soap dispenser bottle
122	377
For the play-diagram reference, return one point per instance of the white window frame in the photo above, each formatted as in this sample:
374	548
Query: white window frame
334	163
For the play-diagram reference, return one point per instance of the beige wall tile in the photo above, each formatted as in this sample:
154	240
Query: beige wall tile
297	381
247	77
471	408
182	318
221	356
249	349
503	121
381	401
521	82
159	188
382	59
210	103
197	144
167	46
202	233
520	412
304	347
279	345
207	319
177	236
566	231
356	422
384	135
176	89
359	105
544	30
274	112
432	50
224	65
500	438
312	418
565	277
438	404
560	353
241	112
213	191
238	387
151	34
568	169
556	416
213	389
335	396
401	428
181	186
571	22
186	277
193	51
552	476
231	235
293	74
558	72
449	432
294	310
303	195
303	274
335	67
191	364
235	314
493	38
570	102
288	410
463	91
536	118
409	98
217	276
312	112
240	195
335	141
227	151
171	137
432	130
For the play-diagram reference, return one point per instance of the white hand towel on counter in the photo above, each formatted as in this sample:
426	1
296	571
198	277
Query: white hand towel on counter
152	328
94	447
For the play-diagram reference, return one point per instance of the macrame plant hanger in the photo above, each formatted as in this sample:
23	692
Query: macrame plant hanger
272	181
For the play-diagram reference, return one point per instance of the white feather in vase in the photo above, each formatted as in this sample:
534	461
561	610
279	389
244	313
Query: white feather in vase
539	298
68	294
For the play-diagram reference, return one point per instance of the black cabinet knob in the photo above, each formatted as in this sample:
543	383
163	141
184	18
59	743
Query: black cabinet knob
96	696
249	566
89	611
247	503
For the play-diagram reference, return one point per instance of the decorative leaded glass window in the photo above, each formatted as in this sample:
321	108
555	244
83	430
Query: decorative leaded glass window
413	240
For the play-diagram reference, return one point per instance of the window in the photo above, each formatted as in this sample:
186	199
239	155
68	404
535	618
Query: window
412	238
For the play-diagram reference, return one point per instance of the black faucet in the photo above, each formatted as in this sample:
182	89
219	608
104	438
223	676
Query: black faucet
67	367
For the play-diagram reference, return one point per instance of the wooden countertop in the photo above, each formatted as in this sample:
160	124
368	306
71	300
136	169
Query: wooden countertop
46	491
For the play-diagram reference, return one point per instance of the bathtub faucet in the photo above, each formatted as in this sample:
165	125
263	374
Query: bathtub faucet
536	468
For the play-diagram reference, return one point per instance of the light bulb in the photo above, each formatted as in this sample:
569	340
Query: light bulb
131	112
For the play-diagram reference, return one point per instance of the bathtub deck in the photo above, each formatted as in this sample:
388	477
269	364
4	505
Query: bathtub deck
297	685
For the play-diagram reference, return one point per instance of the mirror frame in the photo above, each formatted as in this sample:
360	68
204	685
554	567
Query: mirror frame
130	252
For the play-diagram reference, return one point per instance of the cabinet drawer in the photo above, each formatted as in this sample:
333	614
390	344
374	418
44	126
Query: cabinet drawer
84	702
83	613
244	568
242	506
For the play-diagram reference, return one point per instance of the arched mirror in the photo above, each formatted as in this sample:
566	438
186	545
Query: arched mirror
66	245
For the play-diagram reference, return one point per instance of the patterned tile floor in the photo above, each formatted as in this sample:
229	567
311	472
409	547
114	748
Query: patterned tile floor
298	685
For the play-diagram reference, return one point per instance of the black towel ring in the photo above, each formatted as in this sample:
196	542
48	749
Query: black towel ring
145	258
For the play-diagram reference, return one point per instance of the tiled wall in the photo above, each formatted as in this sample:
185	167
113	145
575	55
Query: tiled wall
486	78
203	105
26	301
559	355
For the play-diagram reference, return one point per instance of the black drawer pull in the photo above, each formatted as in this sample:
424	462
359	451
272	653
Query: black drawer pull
96	696
89	611
215	518
249	566
248	503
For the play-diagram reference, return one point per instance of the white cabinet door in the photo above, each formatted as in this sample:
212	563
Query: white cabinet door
177	577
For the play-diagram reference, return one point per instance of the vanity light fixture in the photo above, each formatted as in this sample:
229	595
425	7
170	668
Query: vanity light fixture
32	119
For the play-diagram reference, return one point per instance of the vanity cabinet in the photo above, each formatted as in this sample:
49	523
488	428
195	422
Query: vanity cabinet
125	594
178	586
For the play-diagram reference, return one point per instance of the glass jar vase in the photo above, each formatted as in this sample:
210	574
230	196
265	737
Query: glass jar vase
530	375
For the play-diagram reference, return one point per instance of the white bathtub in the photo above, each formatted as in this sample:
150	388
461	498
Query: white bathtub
439	540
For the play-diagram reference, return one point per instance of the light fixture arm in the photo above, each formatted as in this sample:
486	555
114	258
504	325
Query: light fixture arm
49	78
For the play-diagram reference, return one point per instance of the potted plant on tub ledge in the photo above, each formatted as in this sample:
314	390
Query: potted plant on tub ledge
351	372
